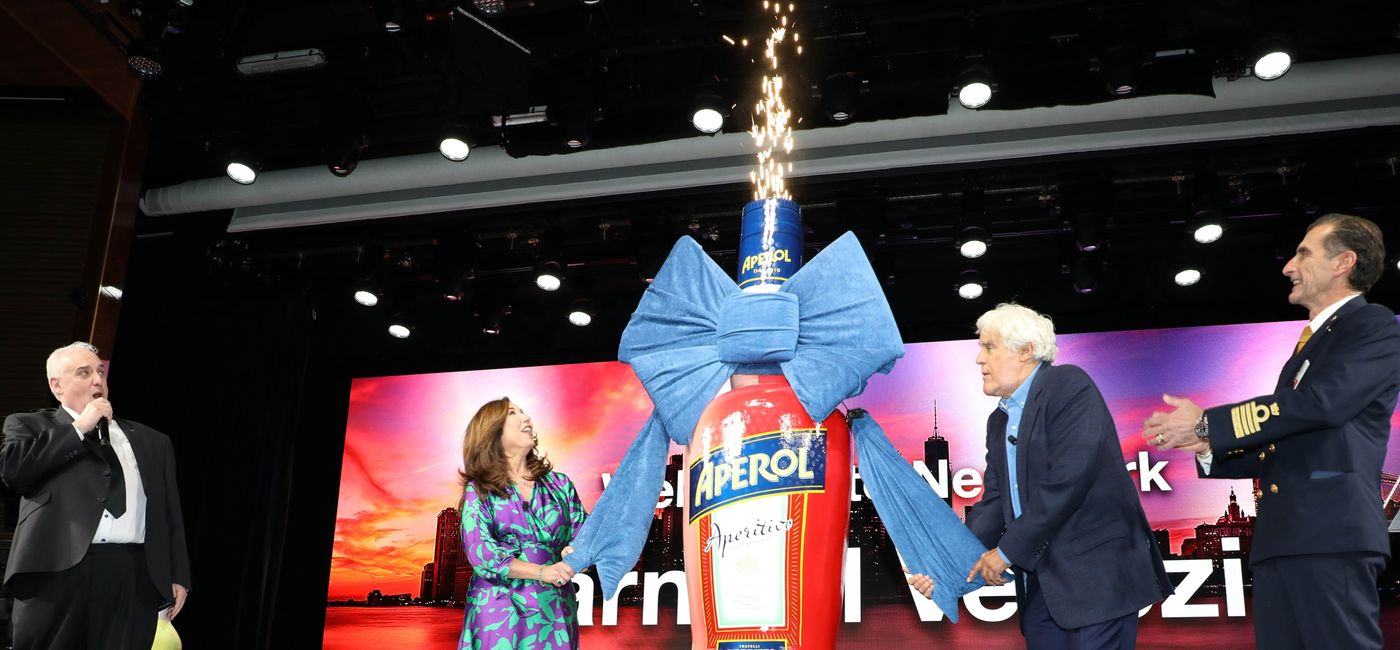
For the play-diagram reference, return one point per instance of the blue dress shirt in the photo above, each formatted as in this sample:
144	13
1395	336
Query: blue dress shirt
1014	406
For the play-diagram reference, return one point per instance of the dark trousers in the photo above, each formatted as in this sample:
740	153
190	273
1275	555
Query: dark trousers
1318	601
105	602
1043	634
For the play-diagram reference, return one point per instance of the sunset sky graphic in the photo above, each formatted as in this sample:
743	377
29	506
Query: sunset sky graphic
404	433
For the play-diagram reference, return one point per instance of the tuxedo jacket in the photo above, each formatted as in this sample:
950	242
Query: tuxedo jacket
1082	529
1317	443
62	483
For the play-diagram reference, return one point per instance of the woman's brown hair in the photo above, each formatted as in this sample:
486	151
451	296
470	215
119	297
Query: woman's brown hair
484	461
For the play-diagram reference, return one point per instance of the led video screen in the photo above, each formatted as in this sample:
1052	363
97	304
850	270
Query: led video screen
398	575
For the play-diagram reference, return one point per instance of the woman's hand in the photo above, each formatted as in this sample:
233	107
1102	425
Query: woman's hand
557	574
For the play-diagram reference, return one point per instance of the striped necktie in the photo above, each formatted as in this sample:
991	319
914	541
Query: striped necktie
1303	340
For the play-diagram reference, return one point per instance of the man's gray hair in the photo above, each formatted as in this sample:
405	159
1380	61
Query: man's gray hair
1020	326
52	365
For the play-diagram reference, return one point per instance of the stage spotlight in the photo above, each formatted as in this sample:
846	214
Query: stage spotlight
581	313
973	236
1121	64
493	318
115	293
1088	231
242	167
390	14
708	116
400	327
455	144
1187	276
973	247
344	155
975	88
970	285
840	92
366	297
490	7
1271	58
1207	225
549	275
1085	273
574	125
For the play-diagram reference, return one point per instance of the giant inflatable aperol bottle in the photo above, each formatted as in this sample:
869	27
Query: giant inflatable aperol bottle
767	498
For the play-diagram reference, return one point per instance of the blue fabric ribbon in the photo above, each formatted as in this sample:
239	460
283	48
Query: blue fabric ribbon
929	537
827	329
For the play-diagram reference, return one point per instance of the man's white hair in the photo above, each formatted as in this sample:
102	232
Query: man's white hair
1021	326
54	365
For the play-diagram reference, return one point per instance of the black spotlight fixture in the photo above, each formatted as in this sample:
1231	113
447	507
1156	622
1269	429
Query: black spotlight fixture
390	14
975	87
345	121
493	318
367	295
1271	57
456	142
344	156
1207	224
1088	229
575	122
707	112
1122	67
400	326
1085	272
581	312
242	166
840	94
970	285
549	275
973	235
1186	270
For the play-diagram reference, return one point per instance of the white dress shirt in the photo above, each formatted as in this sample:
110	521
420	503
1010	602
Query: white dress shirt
130	528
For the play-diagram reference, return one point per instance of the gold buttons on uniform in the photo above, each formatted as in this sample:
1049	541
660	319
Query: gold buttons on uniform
1273	487
1261	455
1272	447
1258	494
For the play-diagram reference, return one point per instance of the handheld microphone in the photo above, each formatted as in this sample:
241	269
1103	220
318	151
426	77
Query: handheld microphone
1011	438
102	430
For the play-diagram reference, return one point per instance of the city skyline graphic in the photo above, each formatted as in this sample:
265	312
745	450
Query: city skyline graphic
403	440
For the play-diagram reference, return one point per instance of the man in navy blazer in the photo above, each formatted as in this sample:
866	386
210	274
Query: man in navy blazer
1059	505
1316	446
99	547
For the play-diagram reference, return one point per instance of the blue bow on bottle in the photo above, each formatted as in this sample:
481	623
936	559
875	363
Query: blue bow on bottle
827	330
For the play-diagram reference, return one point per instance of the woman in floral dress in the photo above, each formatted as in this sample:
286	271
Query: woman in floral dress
517	519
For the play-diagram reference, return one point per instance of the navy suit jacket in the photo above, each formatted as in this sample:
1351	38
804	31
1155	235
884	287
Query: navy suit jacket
1082	530
60	481
1317	446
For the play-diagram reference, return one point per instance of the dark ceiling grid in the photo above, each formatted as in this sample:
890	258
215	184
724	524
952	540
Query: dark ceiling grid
645	59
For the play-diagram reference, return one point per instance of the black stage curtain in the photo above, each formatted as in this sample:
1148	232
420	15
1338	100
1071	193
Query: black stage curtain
256	410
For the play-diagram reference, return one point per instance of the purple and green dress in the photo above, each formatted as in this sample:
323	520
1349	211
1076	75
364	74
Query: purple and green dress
519	614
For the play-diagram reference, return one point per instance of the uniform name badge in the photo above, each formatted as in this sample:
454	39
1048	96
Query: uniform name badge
1299	377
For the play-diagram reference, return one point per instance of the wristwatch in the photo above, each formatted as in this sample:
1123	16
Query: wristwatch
1203	428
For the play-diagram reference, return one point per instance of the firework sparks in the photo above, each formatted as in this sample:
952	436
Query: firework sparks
771	129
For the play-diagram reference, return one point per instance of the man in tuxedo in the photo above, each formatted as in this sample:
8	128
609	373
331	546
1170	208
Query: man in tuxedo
1058	505
1316	446
99	548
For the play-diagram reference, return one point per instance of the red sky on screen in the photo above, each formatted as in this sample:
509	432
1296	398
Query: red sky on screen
404	433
